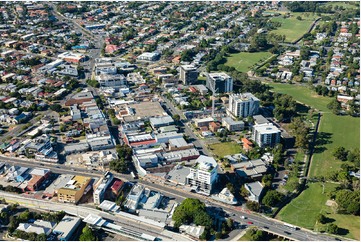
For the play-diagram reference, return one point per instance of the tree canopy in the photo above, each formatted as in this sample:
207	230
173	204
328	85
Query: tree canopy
191	210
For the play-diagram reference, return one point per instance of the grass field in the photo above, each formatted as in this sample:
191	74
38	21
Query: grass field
292	27
303	211
334	131
345	5
226	148
243	61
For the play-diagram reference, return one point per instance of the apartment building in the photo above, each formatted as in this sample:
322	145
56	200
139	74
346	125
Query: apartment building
243	105
188	74
266	134
203	175
221	82
101	187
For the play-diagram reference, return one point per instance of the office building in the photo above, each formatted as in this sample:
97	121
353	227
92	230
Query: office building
188	74
243	105
220	81
74	190
266	134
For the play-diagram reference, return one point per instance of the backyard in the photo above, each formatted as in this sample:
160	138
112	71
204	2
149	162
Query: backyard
244	61
293	28
226	148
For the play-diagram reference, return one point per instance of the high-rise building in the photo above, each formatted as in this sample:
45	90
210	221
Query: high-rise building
188	74
221	82
266	134
243	105
204	174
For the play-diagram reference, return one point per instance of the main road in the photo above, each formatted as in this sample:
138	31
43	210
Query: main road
179	194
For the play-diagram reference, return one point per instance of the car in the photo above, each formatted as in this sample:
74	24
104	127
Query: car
266	227
249	222
243	217
286	232
57	166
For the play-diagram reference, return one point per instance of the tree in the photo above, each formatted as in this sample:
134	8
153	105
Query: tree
189	211
267	180
202	218
340	153
87	234
230	187
119	165
332	228
321	218
335	106
254	206
243	192
56	107
230	223
348	201
176	117
272	198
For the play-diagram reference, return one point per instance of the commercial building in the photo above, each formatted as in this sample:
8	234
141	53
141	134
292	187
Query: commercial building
179	144
203	175
255	190
221	82
101	187
203	122
79	98
66	227
108	80
74	190
188	74
37	177
243	105
148	56
165	137
181	155
232	125
254	169
158	122
72	57
117	187
266	135
134	197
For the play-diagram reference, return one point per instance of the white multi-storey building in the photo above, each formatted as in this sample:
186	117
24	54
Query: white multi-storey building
102	186
243	105
266	134
204	174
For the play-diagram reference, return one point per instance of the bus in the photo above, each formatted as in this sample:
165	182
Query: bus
291	226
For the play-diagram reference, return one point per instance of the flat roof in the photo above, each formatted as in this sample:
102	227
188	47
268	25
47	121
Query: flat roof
267	128
67	225
145	110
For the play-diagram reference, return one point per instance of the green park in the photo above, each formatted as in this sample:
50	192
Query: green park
294	26
334	131
245	61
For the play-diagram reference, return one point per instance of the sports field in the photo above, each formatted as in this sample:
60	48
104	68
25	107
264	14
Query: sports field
293	28
244	61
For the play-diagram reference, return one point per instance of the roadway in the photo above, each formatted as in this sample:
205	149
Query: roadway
82	212
179	194
187	130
